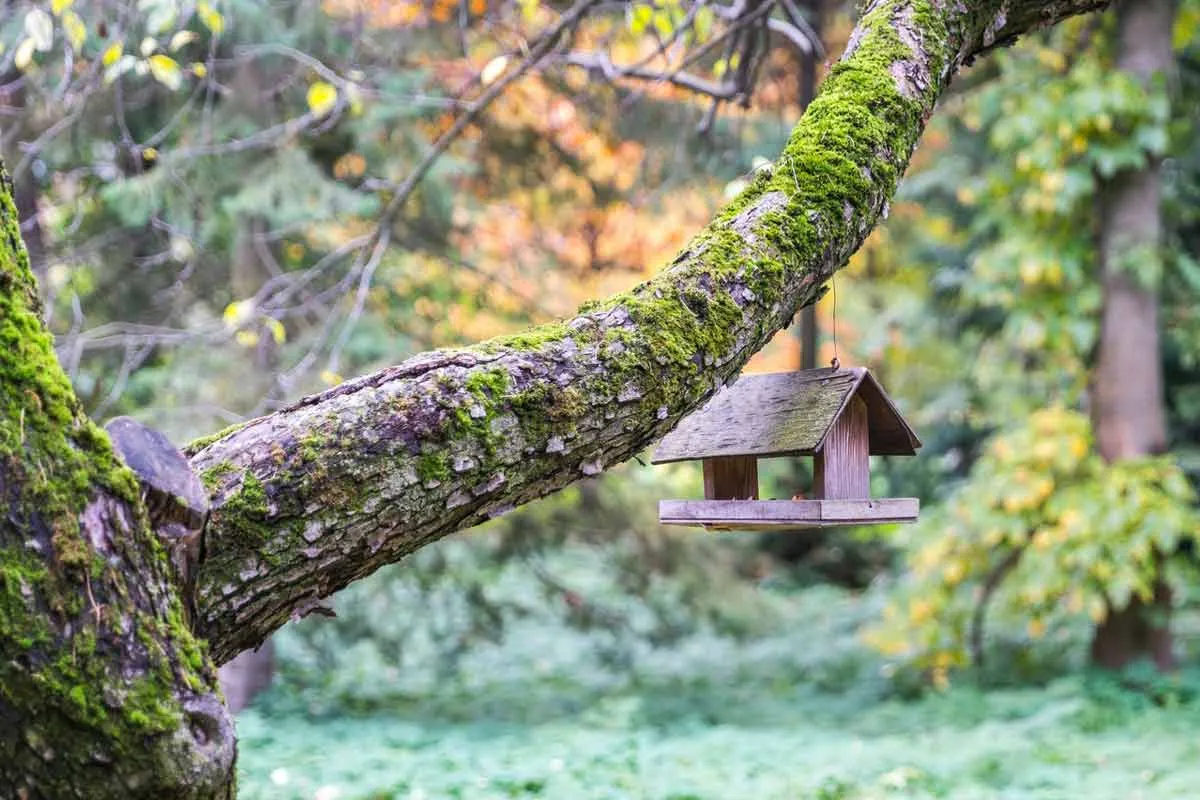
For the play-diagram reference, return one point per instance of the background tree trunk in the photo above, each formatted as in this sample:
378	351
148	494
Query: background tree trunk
1128	409
247	676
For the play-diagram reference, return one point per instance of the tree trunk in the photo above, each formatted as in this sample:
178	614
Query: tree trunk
1128	410
25	185
105	692
319	494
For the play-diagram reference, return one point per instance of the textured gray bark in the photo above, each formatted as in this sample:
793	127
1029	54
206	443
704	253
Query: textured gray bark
324	492
1127	391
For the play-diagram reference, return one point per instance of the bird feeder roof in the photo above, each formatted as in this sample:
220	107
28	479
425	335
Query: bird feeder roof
787	414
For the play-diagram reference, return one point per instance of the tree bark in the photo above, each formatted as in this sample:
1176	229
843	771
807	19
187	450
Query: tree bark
308	499
1127	393
105	692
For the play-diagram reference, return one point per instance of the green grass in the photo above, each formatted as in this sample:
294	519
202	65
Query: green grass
804	713
1005	744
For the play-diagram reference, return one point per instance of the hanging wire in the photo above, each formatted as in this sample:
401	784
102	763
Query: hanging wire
834	362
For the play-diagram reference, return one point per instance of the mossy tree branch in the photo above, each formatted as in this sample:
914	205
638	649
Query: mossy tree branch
324	492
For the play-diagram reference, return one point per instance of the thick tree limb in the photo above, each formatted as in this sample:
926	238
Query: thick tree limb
324	492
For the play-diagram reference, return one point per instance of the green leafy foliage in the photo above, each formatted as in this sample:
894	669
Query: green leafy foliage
1050	529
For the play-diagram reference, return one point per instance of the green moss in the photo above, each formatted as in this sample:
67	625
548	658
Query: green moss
195	446
147	709
487	384
310	449
71	550
20	572
532	339
245	511
473	419
214	476
433	467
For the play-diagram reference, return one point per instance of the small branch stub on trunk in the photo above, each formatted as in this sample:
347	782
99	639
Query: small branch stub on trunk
175	498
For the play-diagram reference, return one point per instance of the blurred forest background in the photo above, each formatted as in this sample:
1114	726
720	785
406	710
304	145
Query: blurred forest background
231	204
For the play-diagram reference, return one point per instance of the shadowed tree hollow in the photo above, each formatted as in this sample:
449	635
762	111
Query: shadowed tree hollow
106	686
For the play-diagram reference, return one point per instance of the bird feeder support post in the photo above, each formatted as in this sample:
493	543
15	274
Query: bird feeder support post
842	467
731	478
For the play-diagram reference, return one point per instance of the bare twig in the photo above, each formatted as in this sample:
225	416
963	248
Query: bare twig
601	63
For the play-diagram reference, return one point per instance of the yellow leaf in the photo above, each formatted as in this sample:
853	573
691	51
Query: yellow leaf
24	55
39	27
182	39
59	6
493	70
330	377
237	312
199	70
246	338
150	153
75	29
322	97
114	51
148	45
181	248
356	102
166	71
278	332
122	65
953	573
211	18
920	611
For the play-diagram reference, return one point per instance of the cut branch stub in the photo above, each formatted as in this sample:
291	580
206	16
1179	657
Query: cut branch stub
175	499
173	493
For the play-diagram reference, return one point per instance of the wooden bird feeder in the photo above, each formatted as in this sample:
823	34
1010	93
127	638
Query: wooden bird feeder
838	417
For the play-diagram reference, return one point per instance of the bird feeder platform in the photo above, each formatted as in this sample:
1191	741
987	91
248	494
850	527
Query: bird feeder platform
839	418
